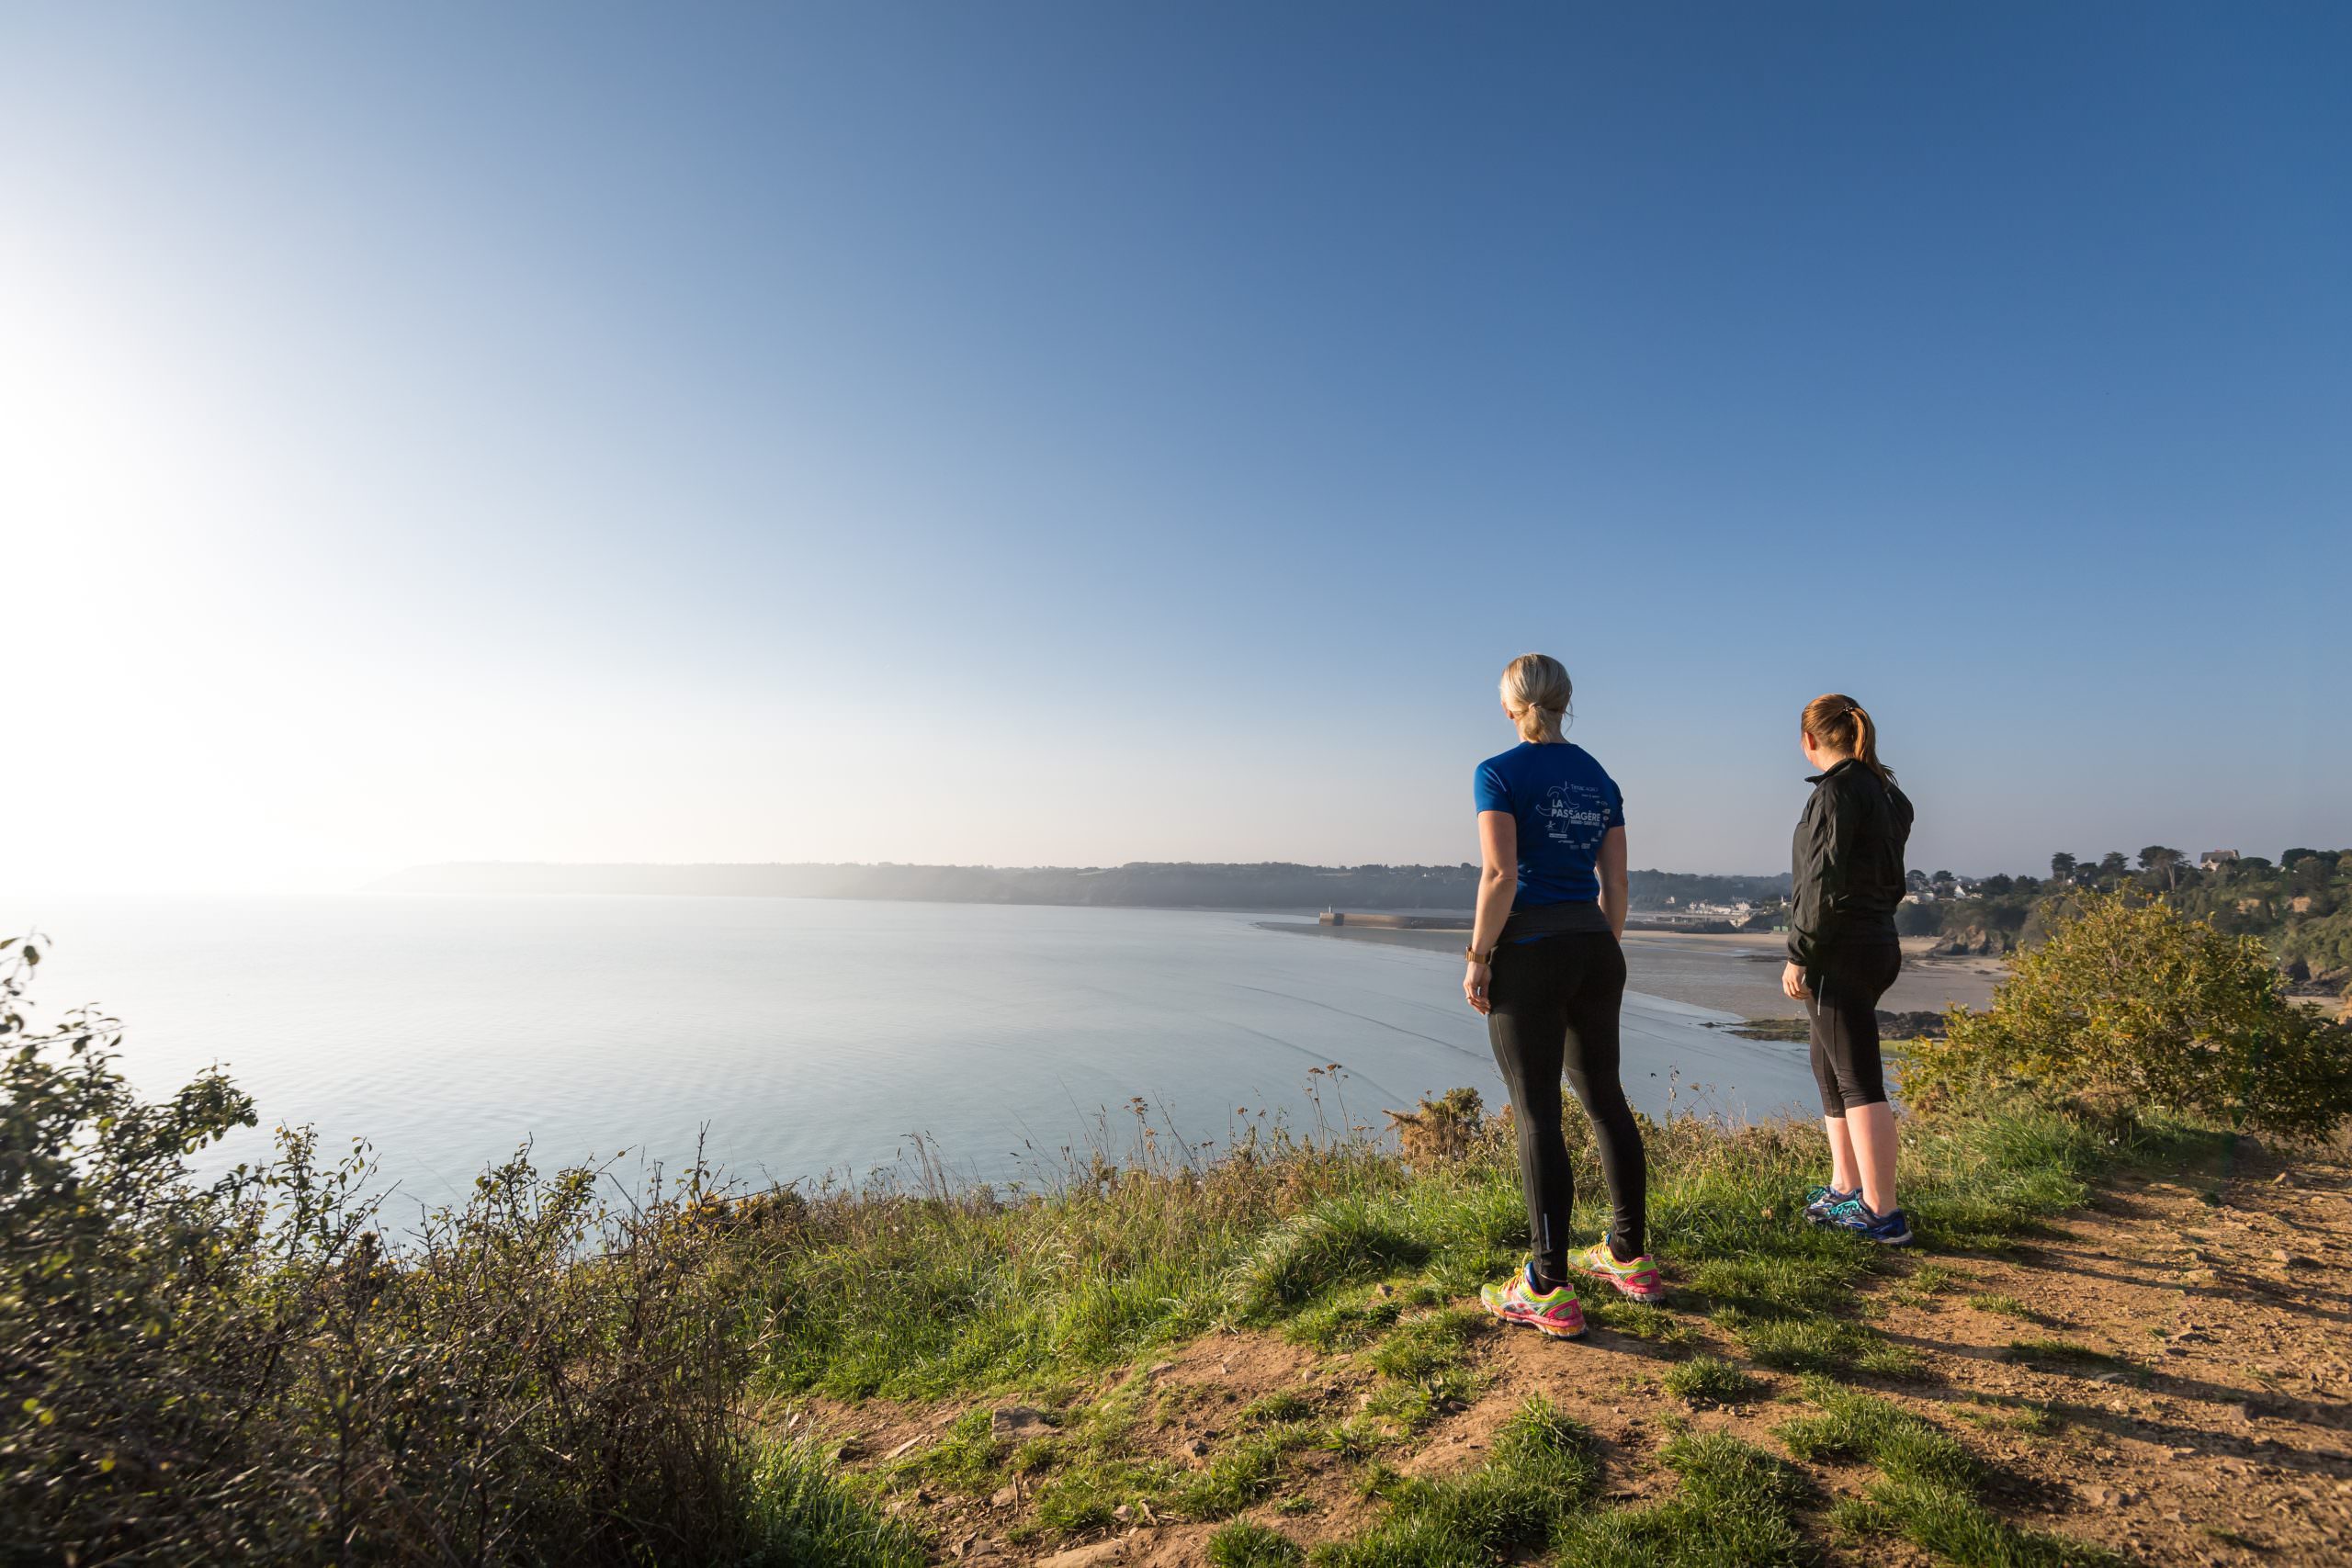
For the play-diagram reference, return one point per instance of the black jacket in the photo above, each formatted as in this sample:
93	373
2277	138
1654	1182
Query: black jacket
1847	860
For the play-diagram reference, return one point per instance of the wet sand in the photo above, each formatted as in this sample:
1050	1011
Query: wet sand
1736	974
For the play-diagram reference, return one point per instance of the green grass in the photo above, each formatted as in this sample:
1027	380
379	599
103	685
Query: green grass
1346	1254
2001	1305
2088	1361
2022	1418
1283	1405
994	1292
1424	1364
801	1514
1244	1544
1346	1324
1735	1508
1711	1379
1241	1472
1958	1529
1539	1472
1930	1486
1825	1344
1638	1320
1933	1279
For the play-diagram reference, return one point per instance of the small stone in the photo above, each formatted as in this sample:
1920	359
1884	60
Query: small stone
1006	1496
903	1449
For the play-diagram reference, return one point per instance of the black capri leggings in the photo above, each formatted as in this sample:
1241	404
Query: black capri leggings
1555	1008
1844	1013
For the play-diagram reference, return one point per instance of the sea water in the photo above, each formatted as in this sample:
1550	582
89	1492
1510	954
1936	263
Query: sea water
792	1038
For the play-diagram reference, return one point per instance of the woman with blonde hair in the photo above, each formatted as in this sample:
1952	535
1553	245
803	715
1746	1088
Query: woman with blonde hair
1546	969
1846	863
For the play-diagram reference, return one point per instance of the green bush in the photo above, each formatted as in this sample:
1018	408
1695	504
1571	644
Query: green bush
244	1371
2129	1006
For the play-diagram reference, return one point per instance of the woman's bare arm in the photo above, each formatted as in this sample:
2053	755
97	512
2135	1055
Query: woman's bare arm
1610	863
1498	885
1498	876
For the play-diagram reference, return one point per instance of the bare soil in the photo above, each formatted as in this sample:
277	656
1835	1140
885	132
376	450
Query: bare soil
2167	1372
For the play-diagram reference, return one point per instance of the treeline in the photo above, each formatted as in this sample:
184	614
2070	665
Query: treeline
2301	904
1270	885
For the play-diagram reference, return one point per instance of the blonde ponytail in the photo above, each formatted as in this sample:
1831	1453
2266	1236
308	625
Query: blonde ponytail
1536	693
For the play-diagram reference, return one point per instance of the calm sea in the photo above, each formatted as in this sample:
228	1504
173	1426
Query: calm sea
797	1037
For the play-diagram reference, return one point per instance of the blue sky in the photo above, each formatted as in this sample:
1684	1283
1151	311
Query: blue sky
1066	432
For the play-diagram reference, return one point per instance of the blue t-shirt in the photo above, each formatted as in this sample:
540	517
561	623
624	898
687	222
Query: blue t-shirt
1565	805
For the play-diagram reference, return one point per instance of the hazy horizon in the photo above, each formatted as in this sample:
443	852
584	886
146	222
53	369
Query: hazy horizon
1040	436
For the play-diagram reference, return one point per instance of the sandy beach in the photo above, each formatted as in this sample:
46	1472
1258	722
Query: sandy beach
1735	973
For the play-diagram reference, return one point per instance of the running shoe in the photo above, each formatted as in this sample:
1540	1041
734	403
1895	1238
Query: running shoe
1822	1202
1890	1229
1555	1313
1638	1278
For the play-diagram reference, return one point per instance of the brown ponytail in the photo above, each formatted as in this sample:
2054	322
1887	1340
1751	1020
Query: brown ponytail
1838	722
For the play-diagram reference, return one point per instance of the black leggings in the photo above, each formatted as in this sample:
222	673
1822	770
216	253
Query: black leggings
1555	1007
1844	1013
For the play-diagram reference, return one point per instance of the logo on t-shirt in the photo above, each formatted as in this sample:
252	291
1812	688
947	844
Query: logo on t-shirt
1573	814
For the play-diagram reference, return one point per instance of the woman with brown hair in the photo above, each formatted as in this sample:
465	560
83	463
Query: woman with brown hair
1843	955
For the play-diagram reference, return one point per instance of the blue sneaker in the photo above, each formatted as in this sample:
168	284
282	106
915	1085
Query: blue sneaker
1891	1229
1822	1202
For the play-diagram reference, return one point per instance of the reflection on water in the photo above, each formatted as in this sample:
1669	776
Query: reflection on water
795	1037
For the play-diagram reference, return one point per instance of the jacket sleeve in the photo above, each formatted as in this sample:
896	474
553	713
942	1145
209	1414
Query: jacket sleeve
1822	861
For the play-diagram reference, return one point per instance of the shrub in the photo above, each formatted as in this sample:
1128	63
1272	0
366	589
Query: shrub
2131	1006
244	1371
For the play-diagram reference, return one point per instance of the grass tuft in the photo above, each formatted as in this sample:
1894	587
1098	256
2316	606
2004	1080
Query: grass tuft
1245	1544
1307	1253
1826	1346
1711	1379
1736	1508
1928	1495
802	1515
1538	1473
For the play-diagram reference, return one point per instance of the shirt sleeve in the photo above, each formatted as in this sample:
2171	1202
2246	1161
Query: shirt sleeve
1616	808
1488	789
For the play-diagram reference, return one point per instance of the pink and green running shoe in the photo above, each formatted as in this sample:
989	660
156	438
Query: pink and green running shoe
1638	1278
1555	1312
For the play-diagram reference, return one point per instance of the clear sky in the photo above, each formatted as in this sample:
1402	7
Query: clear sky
1074	433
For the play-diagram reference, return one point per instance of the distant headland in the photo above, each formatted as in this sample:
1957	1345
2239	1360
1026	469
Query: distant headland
1164	885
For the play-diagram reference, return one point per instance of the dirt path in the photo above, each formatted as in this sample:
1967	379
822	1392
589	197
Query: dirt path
2168	1373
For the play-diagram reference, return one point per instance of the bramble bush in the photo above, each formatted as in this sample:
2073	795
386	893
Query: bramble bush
243	1371
2129	1005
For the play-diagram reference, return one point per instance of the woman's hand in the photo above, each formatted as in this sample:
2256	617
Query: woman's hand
1474	987
1792	984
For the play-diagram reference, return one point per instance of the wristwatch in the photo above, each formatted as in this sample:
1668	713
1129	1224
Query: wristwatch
1475	956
